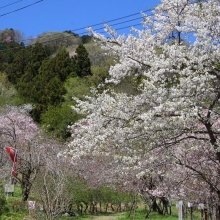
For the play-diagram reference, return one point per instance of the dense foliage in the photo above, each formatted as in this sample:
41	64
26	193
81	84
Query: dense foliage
149	125
38	73
82	61
3	201
166	131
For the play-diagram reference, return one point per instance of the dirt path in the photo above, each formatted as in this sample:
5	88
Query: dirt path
103	218
109	217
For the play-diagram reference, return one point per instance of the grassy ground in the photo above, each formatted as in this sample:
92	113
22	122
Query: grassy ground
18	210
138	215
141	213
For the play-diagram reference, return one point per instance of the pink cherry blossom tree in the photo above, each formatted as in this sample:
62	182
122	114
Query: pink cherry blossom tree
19	131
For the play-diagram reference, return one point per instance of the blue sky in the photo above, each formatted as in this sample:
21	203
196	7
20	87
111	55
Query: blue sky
61	15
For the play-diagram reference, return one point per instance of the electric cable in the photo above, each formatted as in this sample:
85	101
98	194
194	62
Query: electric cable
21	8
11	4
149	10
117	23
138	13
82	33
101	28
107	22
43	42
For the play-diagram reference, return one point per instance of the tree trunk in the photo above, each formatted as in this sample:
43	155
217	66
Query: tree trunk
86	204
218	212
154	205
26	186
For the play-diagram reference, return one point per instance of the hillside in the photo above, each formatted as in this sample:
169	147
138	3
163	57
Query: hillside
27	72
70	41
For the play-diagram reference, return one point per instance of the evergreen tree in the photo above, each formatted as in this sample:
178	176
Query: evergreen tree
82	61
7	54
27	82
63	65
37	56
43	83
54	91
17	69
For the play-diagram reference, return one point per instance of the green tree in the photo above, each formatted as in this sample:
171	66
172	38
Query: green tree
57	119
37	56
43	81
82	61
17	69
77	87
26	83
63	65
44	92
7	54
86	39
3	201
54	91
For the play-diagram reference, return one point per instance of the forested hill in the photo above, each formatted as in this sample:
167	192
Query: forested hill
47	72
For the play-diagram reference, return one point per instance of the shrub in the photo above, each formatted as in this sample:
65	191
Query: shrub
3	201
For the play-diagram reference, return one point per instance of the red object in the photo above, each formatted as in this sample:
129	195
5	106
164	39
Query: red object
12	152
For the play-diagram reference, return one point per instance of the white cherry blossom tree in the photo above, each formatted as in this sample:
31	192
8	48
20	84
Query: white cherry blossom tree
172	125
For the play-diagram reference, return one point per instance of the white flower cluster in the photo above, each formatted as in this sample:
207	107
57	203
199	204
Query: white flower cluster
178	98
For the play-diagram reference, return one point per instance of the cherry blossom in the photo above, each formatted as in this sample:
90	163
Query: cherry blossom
169	130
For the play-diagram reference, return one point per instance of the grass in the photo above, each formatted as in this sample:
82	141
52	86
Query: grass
140	215
18	210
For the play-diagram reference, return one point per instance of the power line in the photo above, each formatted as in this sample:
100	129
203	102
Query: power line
11	4
67	37
85	32
138	13
21	8
117	24
97	29
94	30
149	10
